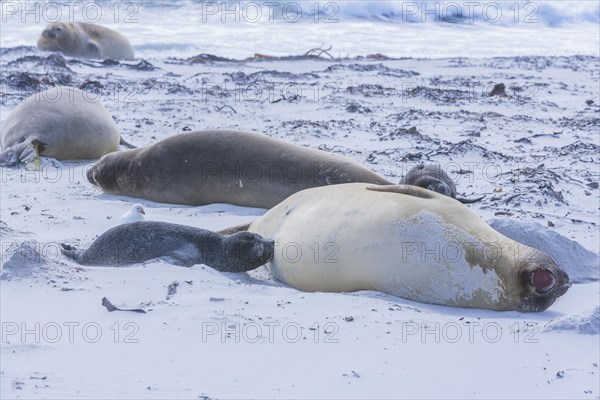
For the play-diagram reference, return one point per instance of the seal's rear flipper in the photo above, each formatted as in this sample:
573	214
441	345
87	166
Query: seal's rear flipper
123	142
469	201
234	229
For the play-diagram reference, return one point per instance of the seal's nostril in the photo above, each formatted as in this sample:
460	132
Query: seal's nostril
543	280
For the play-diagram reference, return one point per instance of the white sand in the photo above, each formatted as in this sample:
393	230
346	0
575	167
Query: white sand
248	336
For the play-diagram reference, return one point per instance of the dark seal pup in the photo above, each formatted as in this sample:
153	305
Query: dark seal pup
433	177
142	241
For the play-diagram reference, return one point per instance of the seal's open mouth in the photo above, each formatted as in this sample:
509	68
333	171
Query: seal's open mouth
542	280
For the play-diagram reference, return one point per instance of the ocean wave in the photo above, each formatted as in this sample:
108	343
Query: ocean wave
550	13
547	12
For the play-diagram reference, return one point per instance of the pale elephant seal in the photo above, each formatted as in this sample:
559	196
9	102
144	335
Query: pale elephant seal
433	177
408	242
214	166
81	39
62	122
143	241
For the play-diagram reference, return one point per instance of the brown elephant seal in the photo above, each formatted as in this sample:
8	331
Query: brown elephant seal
143	241
215	166
408	242
62	122
433	177
81	39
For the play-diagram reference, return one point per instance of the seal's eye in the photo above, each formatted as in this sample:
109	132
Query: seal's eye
543	280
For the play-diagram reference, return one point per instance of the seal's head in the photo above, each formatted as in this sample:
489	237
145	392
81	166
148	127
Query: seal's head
244	251
108	172
541	281
431	177
55	37
434	178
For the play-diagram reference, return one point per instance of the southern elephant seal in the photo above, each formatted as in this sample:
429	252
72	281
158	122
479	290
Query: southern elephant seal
82	39
405	241
215	166
142	241
62	122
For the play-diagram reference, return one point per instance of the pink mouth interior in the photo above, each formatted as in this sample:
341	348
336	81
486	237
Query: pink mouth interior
542	280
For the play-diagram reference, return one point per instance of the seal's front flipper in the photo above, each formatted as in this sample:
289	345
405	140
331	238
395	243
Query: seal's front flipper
70	251
93	48
409	190
234	229
469	201
23	152
29	154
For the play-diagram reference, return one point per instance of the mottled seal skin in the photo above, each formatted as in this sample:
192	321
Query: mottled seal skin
142	241
433	177
221	166
62	122
408	242
82	39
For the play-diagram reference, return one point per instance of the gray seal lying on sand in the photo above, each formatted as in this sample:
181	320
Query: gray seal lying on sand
62	122
82	39
221	166
142	241
408	242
